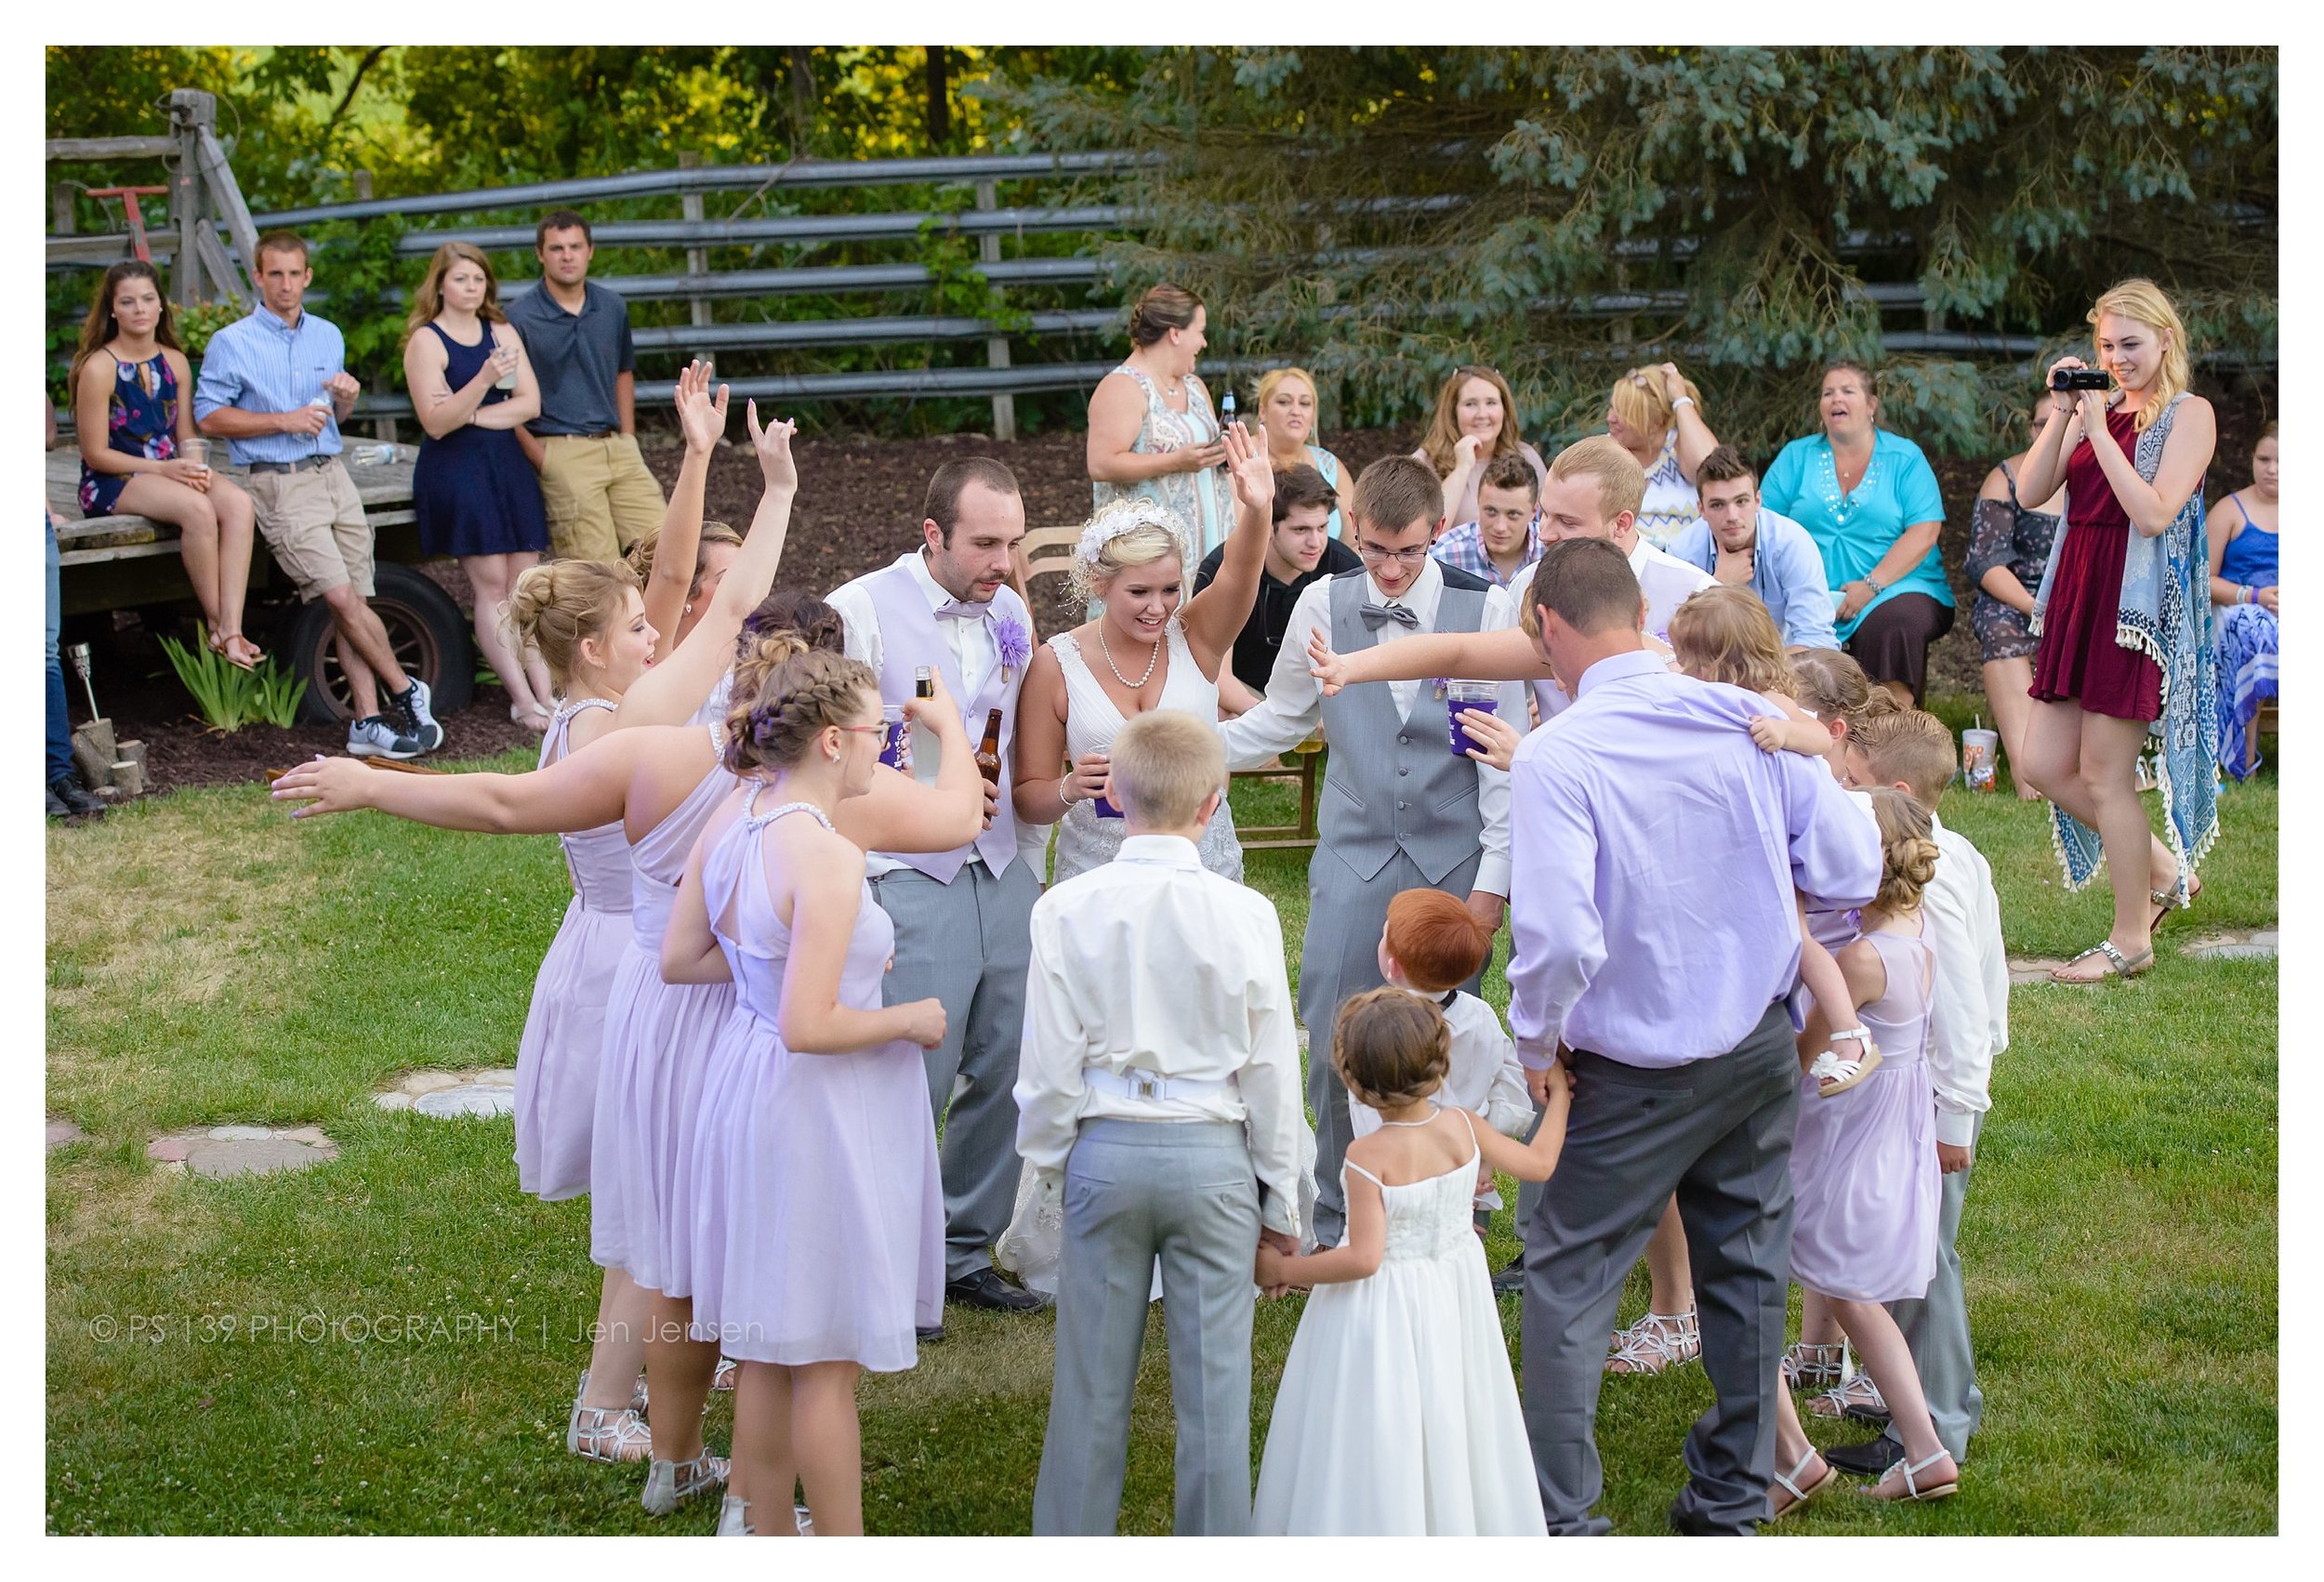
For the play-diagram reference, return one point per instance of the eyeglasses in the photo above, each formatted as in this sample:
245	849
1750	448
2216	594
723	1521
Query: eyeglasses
1373	555
874	730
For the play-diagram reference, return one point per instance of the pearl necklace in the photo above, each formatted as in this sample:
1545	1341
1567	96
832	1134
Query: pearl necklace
1152	660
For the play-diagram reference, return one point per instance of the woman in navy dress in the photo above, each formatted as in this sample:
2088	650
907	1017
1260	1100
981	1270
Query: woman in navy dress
474	493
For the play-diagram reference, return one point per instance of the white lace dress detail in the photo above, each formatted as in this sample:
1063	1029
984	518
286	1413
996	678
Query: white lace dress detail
1092	719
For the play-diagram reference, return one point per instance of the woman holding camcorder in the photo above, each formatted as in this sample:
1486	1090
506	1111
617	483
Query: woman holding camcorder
2123	619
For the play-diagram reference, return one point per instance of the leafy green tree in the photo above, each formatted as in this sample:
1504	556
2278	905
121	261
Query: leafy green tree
1384	213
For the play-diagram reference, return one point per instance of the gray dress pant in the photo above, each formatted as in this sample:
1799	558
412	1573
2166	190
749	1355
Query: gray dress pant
1936	1328
1718	1132
968	944
1135	1189
1341	957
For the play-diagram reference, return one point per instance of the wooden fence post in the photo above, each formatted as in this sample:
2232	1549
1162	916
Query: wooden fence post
697	259
363	186
60	204
189	111
996	347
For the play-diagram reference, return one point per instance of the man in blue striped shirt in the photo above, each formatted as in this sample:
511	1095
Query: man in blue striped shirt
275	388
1506	537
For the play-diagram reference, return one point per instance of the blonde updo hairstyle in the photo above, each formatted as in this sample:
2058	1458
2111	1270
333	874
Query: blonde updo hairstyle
1908	849
557	604
1142	545
1391	1047
642	553
1831	685
1639	401
785	695
2143	300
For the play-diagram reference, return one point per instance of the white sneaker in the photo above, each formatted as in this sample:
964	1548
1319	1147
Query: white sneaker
375	737
412	703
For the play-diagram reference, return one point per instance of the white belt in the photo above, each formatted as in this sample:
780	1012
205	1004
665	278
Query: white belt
1135	1083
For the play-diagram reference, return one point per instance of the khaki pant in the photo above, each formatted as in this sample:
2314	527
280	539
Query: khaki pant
313	521
600	497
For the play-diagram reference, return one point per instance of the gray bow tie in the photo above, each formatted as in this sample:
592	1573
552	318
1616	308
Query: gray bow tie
961	610
1402	614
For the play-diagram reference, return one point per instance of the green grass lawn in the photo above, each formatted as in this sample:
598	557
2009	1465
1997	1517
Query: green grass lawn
387	1343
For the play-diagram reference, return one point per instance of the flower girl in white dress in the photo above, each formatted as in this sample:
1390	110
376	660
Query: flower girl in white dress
1398	1412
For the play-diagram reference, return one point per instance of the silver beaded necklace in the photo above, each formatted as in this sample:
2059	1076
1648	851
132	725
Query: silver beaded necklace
1152	660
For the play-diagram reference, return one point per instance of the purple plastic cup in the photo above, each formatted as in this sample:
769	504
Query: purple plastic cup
1106	809
895	740
1461	696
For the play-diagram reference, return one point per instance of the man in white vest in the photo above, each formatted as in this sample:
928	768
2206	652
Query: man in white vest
963	918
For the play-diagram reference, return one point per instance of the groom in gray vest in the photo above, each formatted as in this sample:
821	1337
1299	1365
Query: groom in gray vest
1399	810
963	918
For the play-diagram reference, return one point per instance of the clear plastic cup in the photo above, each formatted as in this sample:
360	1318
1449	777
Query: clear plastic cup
1461	696
196	450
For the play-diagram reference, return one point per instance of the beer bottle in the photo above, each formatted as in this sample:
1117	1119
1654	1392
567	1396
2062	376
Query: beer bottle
988	750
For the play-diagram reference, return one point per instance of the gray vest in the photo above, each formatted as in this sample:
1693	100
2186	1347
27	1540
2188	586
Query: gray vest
1391	785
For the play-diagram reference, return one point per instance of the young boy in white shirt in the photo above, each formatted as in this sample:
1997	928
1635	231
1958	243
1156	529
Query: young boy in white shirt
1431	945
1968	1025
1158	1090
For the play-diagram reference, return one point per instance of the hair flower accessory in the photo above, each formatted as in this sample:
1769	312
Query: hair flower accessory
1120	517
1014	642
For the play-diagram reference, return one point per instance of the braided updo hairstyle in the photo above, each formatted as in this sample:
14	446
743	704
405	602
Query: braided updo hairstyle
794	610
1391	1047
555	605
786	693
1908	849
1833	686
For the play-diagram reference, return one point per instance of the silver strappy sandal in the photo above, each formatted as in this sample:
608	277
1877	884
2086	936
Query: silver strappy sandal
611	1434
1815	1365
1657	1341
669	1485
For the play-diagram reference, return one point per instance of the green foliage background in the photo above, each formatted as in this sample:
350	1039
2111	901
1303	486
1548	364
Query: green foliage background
1380	214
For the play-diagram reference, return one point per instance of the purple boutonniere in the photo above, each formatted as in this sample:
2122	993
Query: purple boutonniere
1014	642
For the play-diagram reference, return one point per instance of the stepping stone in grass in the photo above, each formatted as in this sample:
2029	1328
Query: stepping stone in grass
469	1099
2256	944
63	1134
240	1149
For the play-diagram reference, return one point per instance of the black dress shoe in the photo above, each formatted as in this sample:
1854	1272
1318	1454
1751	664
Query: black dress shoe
1868	1459
1876	1416
68	791
931	1335
1510	1279
986	1288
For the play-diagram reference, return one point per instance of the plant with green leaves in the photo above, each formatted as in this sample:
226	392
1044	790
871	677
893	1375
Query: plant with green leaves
228	696
1383	215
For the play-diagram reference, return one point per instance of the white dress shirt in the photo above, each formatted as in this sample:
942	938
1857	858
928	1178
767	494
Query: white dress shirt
1968	1003
974	656
1151	963
1293	706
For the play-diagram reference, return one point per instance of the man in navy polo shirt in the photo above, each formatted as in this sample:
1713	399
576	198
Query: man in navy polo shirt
599	495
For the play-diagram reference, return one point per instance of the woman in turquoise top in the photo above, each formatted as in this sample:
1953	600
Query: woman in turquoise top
1870	500
1286	410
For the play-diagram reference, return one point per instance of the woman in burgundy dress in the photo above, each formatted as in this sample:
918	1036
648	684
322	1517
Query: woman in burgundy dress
2123	624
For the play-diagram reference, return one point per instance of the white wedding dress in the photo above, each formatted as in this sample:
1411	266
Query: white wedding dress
1398	1413
1093	719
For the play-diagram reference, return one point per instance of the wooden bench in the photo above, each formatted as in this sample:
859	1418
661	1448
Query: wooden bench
1047	551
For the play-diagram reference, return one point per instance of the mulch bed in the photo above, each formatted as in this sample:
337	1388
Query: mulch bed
859	507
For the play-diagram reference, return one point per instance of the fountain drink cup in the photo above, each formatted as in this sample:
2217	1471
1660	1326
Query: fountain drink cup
895	739
1459	695
1978	750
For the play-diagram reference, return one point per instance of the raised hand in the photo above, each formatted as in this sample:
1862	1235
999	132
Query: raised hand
1247	464
937	707
701	416
1328	668
773	445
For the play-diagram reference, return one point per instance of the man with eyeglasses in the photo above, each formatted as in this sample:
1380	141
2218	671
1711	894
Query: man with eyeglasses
1400	809
1300	550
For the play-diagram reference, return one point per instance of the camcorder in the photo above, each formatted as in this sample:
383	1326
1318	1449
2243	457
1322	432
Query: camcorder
2078	379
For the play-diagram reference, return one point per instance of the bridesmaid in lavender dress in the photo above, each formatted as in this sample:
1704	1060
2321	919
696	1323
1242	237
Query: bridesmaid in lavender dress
815	1207
1864	1175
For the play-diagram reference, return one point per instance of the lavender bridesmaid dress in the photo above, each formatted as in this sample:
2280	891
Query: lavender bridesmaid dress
818	1216
656	1036
557	1060
1864	1173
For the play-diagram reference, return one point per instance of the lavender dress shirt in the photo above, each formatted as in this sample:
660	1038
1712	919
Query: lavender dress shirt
1654	850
